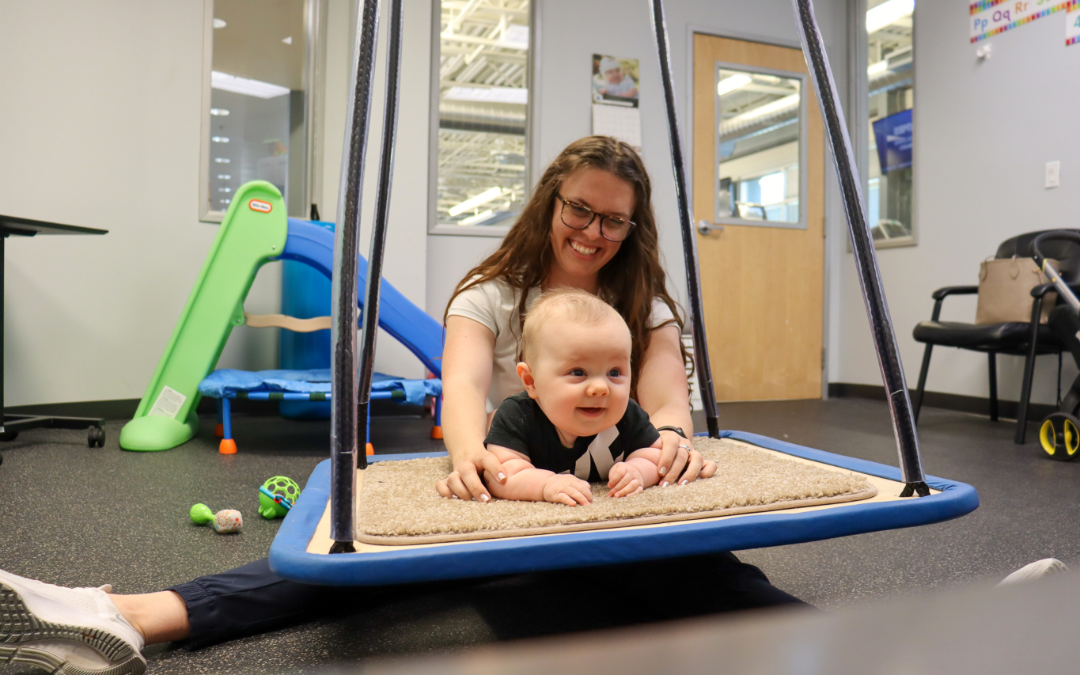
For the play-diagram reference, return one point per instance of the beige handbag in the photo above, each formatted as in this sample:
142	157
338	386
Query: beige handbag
1005	290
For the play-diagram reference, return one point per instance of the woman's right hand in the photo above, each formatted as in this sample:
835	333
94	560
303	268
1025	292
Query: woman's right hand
464	481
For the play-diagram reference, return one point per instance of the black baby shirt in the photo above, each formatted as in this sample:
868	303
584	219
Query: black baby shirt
520	424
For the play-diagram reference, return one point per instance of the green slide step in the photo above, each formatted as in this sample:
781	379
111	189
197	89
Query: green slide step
253	232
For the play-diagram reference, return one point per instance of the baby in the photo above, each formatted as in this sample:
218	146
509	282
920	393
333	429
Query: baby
575	421
613	81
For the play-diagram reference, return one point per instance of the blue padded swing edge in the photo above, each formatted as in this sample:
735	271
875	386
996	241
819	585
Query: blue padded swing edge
290	559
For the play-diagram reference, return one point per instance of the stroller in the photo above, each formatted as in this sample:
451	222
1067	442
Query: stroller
1059	434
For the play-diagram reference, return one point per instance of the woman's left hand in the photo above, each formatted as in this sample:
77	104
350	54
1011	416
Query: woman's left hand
685	464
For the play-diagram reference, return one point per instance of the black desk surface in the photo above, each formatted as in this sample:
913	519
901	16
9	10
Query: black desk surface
11	225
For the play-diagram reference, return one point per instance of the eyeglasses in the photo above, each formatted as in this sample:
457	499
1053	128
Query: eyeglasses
578	217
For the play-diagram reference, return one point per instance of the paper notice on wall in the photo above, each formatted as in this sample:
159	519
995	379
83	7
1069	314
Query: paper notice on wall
168	403
1072	24
990	17
622	123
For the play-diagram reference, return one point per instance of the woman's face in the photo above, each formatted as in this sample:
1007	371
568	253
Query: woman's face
580	254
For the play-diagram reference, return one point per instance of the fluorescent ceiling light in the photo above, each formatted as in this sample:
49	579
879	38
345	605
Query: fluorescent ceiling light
517	36
887	12
220	139
288	40
224	176
219	111
472	202
220	23
477	218
242	85
730	84
769	108
876	68
487	94
222	160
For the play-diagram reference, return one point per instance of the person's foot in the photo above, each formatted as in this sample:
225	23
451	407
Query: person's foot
67	631
1036	570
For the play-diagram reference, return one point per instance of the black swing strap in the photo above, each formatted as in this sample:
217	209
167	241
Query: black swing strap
877	309
689	240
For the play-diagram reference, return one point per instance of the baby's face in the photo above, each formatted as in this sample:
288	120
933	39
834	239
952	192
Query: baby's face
614	76
581	376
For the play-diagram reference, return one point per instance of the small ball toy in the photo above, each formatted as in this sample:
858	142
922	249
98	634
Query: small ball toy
276	496
225	521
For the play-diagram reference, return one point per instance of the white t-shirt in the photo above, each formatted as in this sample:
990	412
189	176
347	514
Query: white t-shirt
494	304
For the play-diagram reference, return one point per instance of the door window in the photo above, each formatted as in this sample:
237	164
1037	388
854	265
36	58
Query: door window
759	147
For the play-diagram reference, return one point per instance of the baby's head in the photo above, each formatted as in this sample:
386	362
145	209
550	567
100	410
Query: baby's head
611	70
575	361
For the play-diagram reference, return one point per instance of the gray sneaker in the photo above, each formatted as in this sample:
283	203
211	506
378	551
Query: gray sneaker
66	631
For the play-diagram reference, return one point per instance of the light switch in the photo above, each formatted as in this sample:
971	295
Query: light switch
1053	174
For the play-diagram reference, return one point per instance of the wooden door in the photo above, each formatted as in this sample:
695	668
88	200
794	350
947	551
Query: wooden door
761	285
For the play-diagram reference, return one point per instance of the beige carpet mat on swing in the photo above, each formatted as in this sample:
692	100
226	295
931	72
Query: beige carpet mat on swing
398	504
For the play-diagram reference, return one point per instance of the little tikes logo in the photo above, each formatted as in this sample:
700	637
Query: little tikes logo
261	206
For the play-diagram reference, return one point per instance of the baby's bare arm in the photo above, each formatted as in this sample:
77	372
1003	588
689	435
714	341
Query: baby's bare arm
637	472
646	461
524	482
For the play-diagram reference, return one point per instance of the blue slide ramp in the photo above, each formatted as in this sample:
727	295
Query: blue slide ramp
398	316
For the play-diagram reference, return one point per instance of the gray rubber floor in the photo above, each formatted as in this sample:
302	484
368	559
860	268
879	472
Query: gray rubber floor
78	516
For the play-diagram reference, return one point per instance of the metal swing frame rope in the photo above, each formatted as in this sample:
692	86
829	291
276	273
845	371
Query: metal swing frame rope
349	411
352	390
689	239
877	309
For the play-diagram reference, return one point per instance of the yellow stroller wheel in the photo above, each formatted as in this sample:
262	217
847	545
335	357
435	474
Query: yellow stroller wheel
1060	436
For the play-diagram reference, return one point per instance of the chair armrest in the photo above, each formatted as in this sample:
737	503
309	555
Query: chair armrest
940	293
1043	289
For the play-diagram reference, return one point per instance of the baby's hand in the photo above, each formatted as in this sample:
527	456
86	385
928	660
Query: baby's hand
563	488
625	480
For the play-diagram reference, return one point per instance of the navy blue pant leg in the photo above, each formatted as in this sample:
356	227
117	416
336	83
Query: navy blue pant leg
252	599
248	600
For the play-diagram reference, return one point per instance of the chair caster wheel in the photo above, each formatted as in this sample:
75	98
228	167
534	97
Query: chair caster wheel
95	437
9	436
1060	436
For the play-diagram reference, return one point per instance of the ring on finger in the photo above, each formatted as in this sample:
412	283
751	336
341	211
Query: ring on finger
686	447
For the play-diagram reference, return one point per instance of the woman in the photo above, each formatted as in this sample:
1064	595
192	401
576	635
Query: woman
588	225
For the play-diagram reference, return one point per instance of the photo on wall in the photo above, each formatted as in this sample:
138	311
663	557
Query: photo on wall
614	80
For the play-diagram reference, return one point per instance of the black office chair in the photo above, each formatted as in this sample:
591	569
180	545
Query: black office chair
1028	339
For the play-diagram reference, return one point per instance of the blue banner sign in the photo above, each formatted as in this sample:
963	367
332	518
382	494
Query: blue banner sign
893	135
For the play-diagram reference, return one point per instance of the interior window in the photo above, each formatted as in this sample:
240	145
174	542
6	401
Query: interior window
257	107
890	75
759	147
483	108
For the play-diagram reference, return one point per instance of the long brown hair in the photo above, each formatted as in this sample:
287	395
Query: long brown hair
629	281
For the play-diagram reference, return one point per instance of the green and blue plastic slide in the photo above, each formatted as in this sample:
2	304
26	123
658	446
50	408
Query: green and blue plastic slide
253	233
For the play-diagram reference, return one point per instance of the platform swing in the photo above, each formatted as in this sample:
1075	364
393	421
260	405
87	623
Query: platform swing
317	543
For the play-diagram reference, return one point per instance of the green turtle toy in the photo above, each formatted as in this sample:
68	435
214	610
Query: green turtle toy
276	496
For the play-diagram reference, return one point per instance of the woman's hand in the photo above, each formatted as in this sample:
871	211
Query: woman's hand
464	481
679	461
468	354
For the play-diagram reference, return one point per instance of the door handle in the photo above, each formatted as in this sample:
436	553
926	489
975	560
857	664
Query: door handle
707	228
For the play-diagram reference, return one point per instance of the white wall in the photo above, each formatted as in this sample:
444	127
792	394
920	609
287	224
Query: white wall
571	31
100	127
983	133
